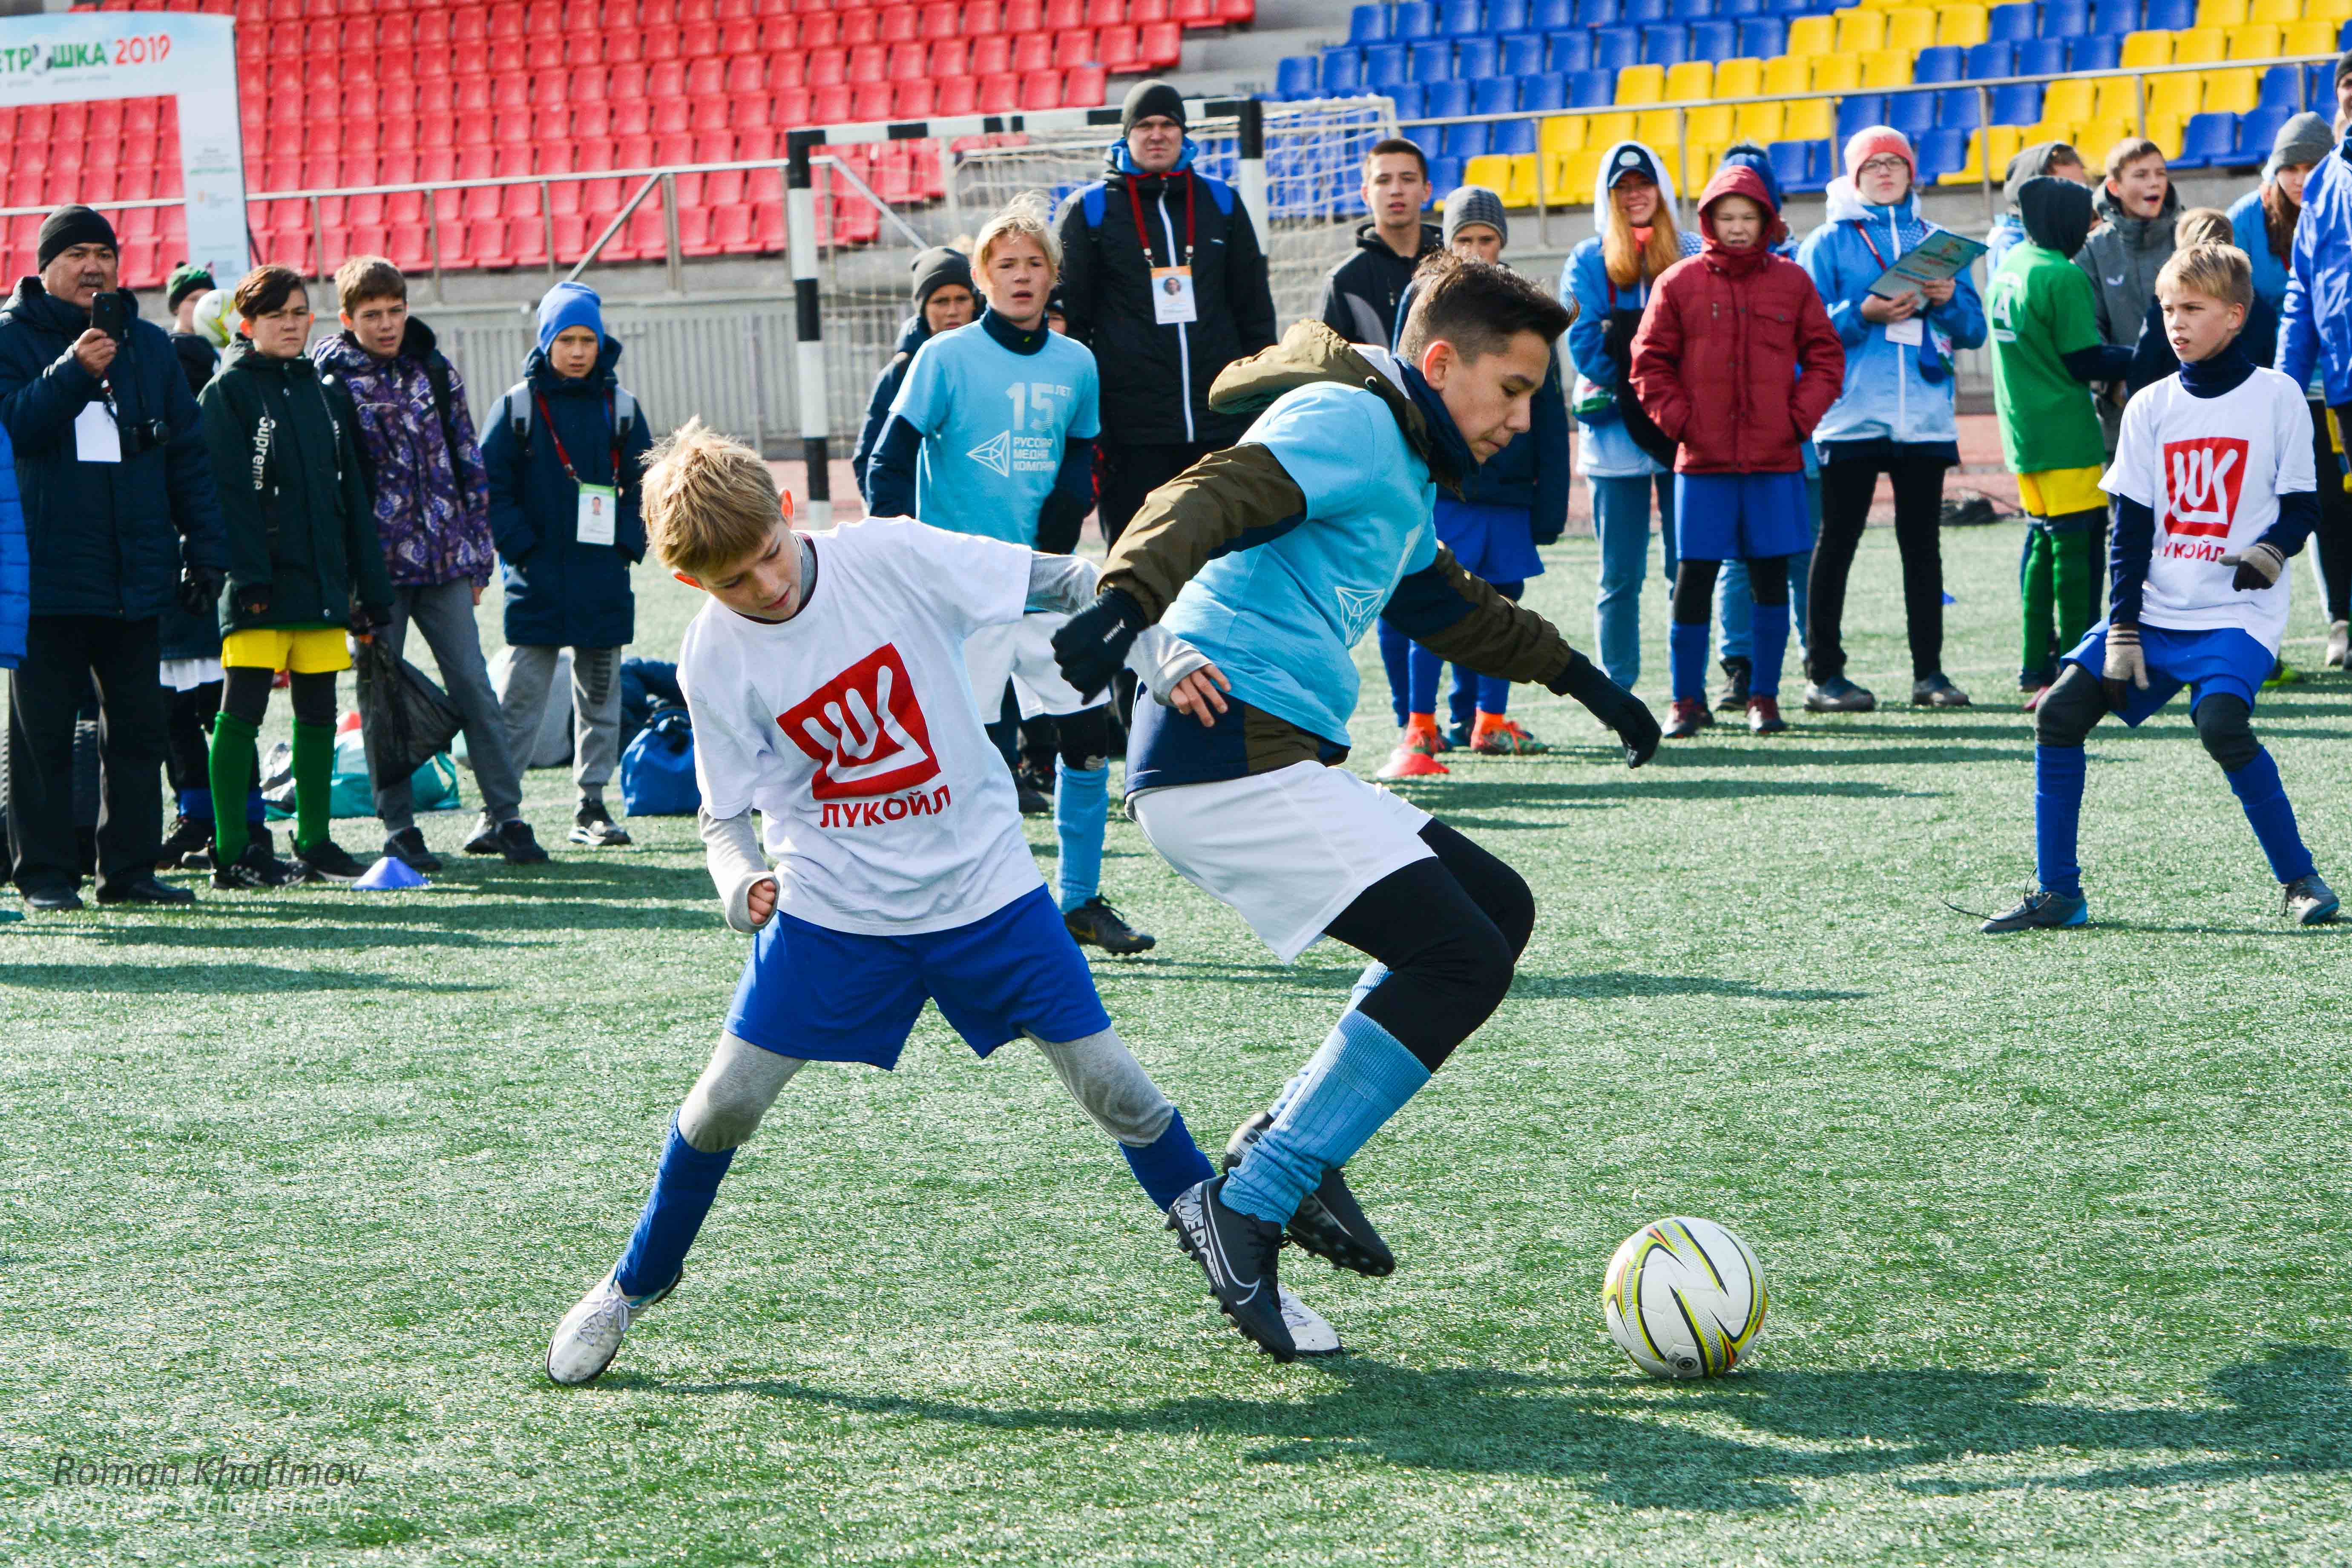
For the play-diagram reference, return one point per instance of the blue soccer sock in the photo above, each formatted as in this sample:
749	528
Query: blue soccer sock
683	1188
196	804
2271	816
1366	984
1081	806
1397	660
1770	629
1356	1080
2058	818
1424	669
1686	659
1170	1165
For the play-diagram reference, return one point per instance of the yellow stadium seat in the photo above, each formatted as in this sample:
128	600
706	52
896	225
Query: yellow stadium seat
1712	127
2150	47
1859	30
2335	10
1960	25
2253	41
2094	138
1641	84
1740	78
2309	37
2279	11
1971	171
1887	68
2068	102
1811	36
2229	91
2051	131
1604	130
2221	13
1492	169
1521	190
2117	99
2175	96
1837	73
1808	120
1661	128
1690	79
1910	29
2165	132
1573	173
1561	133
1760	122
1788	73
2194	46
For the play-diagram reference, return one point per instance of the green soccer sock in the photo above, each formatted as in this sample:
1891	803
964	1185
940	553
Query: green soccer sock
2076	581
231	767
314	777
2033	586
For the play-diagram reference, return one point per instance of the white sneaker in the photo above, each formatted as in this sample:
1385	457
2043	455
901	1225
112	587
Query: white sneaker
1309	1332
589	1337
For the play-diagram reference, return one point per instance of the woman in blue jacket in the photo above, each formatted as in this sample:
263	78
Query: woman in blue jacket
1637	235
566	456
1894	417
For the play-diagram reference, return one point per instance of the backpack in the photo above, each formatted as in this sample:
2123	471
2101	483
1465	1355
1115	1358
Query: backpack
518	409
658	770
1091	199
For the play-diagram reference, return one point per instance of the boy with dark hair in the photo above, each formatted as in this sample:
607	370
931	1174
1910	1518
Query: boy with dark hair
2140	204
565	453
1273	558
304	564
1360	297
432	514
2214	492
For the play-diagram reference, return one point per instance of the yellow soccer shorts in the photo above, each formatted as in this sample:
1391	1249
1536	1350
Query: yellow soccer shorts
305	650
2055	493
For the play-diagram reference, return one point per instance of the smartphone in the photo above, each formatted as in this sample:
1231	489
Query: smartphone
109	315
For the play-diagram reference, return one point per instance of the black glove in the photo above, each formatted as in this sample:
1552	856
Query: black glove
1612	705
1092	645
253	600
200	588
367	620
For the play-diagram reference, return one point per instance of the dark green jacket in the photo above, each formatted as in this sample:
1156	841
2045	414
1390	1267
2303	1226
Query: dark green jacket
283	437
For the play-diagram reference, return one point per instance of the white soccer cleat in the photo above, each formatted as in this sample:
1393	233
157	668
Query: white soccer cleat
589	1337
1308	1331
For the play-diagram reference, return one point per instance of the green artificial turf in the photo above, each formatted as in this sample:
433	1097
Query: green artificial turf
2053	1224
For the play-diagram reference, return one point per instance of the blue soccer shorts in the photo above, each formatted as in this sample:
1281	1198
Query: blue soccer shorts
1742	517
831	995
2221	658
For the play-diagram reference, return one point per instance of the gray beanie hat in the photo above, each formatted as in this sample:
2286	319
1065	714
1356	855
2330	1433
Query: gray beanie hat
2305	139
1475	204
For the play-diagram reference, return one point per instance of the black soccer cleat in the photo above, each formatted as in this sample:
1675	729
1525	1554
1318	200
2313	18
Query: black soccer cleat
593	826
1237	1252
325	861
1096	924
255	866
1329	1223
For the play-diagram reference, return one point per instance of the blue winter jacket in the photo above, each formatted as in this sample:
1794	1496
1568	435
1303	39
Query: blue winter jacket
562	592
2316	318
1893	391
104	539
1531	473
913	335
16	565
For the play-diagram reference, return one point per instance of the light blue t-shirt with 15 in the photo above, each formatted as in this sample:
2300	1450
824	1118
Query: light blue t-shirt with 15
993	422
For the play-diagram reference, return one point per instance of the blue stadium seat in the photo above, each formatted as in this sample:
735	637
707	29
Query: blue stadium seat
1343	71
2007	24
1859	112
2320	79
2114	17
2064	19
1494	95
1432	61
1943	63
1550	15
1592	90
1368	25
1998	57
2040	57
2017	105
2093	52
1506	15
1940	153
2207	141
1912	113
1761	37
2170	13
1800	166
2343	38
1614	48
1384	66
1956	109
1640	12
2281	88
2257	128
1413	19
1464	142
1476	58
1513	137
1457	18
1523	54
1597	13
1732	10
1295	77
1571	52
1545	91
1444	175
1411	99
1443	99
1665	45
1690	10
1713	40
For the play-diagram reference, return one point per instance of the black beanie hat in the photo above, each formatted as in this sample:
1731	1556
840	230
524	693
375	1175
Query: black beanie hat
69	226
2344	65
936	269
1146	99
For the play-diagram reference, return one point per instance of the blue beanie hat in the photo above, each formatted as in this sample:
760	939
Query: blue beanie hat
569	305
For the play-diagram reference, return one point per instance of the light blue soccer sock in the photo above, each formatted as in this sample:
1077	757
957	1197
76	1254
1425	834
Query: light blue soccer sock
1687	659
1081	806
2272	816
1170	1165
1356	1080
683	1188
2058	818
1771	632
1366	982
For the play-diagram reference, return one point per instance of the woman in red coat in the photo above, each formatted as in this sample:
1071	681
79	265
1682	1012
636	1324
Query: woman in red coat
1737	361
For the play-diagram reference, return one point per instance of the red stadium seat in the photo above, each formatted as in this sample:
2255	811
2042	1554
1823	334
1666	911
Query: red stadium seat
665	78
722	189
470	27
949	58
917	96
699	40
670	115
670	150
820	31
867	63
958	95
792	106
861	27
768	225
763	141
991	56
901	25
662	46
1160	44
366	240
713	147
1042	90
624	48
731	231
1023	17
480	202
706	77
709	115
505	21
483	244
1033	52
746	74
1061	14
546	21
1087	87
1121	50
999	93
694	231
1235	12
572	236
788	69
941	17
525	243
829	105
1076	47
870	100
1196	13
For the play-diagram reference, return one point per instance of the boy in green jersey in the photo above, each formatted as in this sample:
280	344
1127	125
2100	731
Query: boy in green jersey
2046	350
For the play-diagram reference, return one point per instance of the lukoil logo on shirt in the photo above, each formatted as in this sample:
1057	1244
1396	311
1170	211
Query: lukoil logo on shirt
2203	477
865	730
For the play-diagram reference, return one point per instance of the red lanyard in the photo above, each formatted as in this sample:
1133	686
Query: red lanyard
611	415
1863	229
1135	210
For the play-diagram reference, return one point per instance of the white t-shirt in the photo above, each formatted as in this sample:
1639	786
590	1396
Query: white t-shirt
851	729
2212	469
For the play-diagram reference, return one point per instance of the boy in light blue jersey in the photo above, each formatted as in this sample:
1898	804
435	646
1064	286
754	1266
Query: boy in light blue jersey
1273	558
993	434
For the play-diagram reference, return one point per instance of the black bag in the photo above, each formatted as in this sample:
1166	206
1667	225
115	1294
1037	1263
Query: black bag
403	717
1617	342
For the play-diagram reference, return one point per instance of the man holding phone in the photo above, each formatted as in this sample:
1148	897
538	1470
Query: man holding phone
123	520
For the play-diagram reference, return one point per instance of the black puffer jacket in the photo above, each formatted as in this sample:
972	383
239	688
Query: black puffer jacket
1155	379
285	453
106	539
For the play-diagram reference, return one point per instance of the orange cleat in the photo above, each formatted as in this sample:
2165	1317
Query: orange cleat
1498	735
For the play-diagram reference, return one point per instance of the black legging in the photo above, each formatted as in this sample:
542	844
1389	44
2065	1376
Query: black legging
2333	537
1848	486
1694	605
1450	931
246	695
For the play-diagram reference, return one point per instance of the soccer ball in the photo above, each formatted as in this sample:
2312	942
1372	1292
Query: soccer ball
1684	1298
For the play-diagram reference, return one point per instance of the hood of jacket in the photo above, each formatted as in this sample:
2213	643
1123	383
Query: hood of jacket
1122	165
2056	213
1368	237
342	352
2029	164
1311	352
1740	180
1666	191
913	333
2140	233
1846	205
